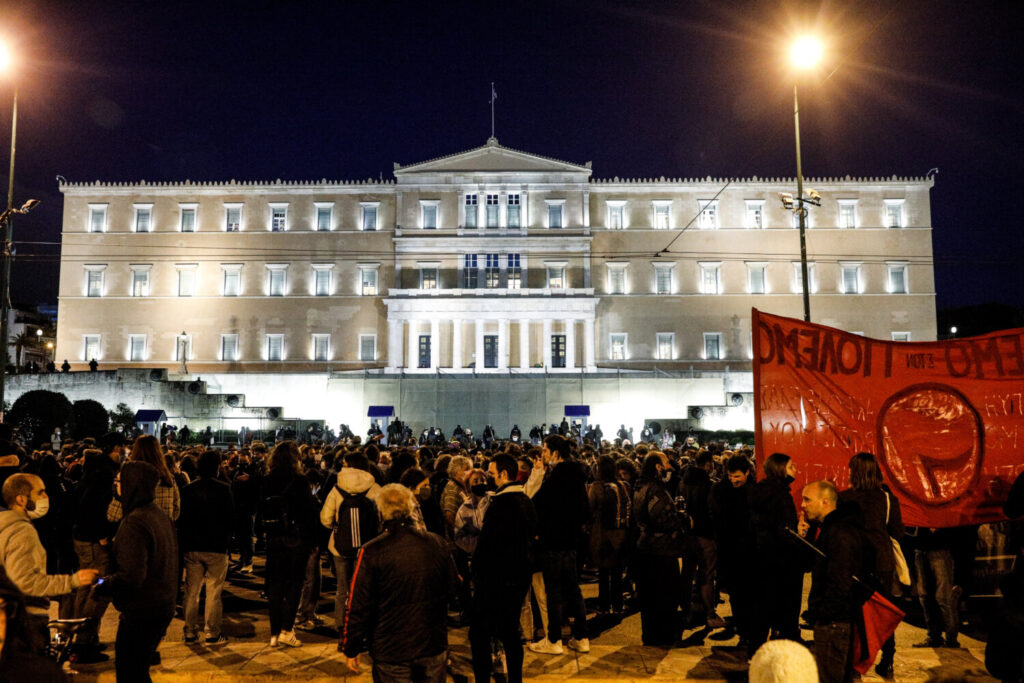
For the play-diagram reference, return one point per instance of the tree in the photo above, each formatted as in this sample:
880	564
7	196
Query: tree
91	419
21	342
37	413
123	415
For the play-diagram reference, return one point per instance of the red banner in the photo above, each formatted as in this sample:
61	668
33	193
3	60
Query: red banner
943	418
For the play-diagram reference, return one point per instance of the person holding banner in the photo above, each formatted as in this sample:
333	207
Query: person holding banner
882	521
780	574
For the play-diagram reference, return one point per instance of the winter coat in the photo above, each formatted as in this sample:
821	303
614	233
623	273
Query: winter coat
662	526
696	487
610	506
772	511
23	559
833	597
877	532
398	605
207	516
302	508
93	495
504	550
562	507
351	481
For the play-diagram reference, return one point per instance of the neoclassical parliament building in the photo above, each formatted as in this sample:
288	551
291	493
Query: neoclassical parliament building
490	261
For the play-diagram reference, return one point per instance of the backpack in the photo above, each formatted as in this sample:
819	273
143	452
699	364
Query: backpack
615	508
278	519
358	523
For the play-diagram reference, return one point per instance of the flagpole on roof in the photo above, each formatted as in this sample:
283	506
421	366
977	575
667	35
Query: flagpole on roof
494	96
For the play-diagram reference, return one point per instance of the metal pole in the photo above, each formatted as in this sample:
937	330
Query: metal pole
801	211
6	261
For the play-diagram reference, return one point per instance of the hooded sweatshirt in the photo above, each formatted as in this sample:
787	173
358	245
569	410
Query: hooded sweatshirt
23	559
352	481
145	547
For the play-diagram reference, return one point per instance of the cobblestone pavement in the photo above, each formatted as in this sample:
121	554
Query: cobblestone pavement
616	653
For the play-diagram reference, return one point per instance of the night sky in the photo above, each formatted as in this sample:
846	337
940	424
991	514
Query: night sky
126	91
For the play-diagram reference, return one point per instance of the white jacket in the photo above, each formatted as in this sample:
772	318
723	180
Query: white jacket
351	481
23	559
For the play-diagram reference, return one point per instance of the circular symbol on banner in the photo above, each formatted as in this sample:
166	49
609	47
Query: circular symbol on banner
930	443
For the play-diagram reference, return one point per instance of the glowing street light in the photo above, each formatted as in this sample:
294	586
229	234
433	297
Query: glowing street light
806	52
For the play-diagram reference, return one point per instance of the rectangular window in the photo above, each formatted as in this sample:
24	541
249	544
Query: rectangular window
136	347
851	278
709	214
229	347
555	215
232	281
617	342
713	345
894	213
615	215
897	279
515	271
188	219
616	280
94	283
424	351
98	218
275	347
90	347
662	214
901	336
847	214
558	350
321	347
143	216
182	347
232	218
278	217
471	211
663	279
276	281
798	277
469	267
492	211
710	278
490	350
186	281
493	272
369	221
513	211
140	282
428	277
665	344
756	279
368	347
322	281
323	218
755	215
429	215
556	277
368	281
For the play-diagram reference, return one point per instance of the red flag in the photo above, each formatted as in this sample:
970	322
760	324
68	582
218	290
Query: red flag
881	618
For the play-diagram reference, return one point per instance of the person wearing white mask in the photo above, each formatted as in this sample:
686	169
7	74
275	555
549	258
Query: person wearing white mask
23	558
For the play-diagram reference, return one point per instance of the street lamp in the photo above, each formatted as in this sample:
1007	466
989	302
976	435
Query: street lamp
7	226
804	54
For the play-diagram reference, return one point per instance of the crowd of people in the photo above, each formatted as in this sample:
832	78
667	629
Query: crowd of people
496	537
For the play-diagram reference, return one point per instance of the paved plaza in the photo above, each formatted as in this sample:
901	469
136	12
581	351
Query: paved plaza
616	653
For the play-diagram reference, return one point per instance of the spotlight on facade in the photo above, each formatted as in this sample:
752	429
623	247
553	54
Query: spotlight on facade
787	200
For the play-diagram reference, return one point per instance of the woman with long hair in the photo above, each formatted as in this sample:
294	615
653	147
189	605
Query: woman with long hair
882	520
611	516
289	518
778	571
147	449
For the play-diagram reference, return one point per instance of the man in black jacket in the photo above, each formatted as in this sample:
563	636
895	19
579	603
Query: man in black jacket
146	581
832	603
205	527
734	538
562	510
502	569
700	554
397	608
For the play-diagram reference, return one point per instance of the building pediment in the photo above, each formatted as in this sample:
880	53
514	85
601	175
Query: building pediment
492	158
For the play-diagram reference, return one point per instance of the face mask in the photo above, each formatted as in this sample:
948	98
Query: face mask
479	489
38	509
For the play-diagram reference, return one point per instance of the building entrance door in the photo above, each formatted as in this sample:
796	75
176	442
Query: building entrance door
558	350
491	351
424	351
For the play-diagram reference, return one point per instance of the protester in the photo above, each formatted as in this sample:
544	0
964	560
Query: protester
730	518
783	661
18	660
700	553
147	449
397	609
610	521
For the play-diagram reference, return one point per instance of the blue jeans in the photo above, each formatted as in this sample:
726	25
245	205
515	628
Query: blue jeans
210	569
935	590
832	643
343	571
422	670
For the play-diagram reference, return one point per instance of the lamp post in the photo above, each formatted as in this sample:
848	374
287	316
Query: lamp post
805	54
7	226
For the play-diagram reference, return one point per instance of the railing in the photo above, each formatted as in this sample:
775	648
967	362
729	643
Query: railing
494	291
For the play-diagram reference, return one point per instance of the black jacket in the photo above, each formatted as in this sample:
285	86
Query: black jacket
772	511
730	518
503	555
562	506
398	607
93	495
696	489
834	596
302	509
145	547
877	532
661	525
207	516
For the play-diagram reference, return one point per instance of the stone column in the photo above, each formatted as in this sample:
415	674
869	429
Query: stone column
457	344
435	343
570	344
413	349
545	343
394	344
588	345
479	345
503	344
524	344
